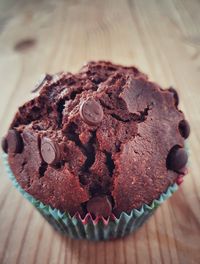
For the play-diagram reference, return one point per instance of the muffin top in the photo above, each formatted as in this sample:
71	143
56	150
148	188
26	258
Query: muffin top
104	140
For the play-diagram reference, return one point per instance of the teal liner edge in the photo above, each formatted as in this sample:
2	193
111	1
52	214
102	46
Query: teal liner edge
78	228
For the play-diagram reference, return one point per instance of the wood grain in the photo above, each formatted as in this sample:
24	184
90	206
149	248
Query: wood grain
162	37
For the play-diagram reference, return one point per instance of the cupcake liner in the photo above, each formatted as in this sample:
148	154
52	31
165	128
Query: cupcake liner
87	227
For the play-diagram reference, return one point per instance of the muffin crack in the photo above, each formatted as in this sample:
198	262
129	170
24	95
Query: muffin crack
73	135
143	114
117	117
141	117
42	169
60	108
73	94
90	152
110	163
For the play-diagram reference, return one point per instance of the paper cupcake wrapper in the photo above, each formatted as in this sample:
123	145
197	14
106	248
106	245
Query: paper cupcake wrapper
87	227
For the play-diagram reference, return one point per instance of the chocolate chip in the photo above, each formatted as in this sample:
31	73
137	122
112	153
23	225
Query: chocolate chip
184	128
177	158
91	112
4	144
43	78
14	141
99	206
176	97
50	151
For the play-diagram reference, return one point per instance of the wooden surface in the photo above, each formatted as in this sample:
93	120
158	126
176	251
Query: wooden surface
162	37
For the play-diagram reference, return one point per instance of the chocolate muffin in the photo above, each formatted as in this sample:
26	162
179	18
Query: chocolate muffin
105	140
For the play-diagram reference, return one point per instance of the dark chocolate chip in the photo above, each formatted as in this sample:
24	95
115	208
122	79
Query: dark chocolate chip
50	151
14	141
41	81
99	206
176	97
91	112
184	128
4	144
177	158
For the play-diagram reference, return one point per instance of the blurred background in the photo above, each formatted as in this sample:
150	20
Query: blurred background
162	38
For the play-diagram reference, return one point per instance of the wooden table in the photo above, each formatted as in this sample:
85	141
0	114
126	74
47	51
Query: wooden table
163	39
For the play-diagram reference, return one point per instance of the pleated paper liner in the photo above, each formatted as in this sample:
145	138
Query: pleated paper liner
87	227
